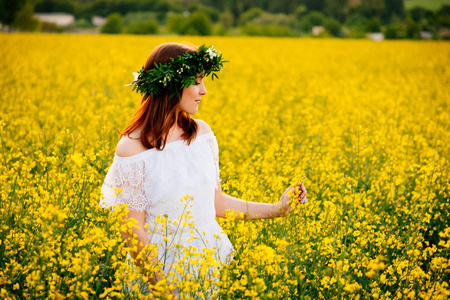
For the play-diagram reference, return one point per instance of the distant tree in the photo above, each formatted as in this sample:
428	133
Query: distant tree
368	8
176	23
163	6
83	23
114	24
356	21
281	6
277	31
212	13
278	19
149	5
313	18
419	13
49	27
444	10
337	9
374	25
317	5
251	29
226	19
99	8
198	23
333	26
142	27
107	7
9	10
219	30
443	17
24	20
48	6
300	11
355	26
412	29
393	8
249	15
391	32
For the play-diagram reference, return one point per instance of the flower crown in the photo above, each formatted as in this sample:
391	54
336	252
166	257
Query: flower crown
180	72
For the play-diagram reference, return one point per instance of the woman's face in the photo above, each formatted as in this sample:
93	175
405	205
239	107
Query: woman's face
191	97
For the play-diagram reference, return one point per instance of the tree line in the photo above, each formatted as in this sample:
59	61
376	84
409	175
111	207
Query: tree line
340	18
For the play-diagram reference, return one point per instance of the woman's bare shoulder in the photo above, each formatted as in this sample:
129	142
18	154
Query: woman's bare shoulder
129	146
203	127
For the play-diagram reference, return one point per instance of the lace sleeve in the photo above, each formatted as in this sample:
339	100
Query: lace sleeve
124	184
215	151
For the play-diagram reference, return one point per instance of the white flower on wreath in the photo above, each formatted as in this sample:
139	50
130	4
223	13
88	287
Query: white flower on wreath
212	52
136	76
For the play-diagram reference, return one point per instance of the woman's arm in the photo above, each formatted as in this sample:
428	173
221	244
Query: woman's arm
254	210
140	235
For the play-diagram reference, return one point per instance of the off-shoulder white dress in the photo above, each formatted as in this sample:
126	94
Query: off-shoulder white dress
155	182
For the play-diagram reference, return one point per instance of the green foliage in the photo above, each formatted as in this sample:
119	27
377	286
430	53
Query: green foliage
412	29
374	25
141	16
249	15
279	19
24	20
333	26
336	9
367	10
419	13
251	29
356	21
443	17
392	32
226	19
48	6
107	7
212	13
176	23
296	15
220	30
142	27
198	23
300	11
393	8
317	5
313	18
49	27
83	23
113	25
9	9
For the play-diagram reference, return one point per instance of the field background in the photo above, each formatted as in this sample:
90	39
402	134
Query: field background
365	125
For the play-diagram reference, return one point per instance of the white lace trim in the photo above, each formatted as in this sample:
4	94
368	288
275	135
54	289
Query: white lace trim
124	182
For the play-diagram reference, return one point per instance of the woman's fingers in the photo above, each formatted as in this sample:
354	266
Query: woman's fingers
303	198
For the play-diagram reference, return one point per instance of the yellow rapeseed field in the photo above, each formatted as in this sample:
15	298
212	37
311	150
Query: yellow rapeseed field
365	125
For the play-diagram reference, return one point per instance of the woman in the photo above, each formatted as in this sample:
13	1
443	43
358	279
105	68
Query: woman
164	155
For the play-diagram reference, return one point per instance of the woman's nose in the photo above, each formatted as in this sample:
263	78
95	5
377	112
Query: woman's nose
202	89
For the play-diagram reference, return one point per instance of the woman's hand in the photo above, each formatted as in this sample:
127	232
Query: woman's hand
297	193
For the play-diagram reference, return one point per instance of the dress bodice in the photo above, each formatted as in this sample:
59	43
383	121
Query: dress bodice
179	179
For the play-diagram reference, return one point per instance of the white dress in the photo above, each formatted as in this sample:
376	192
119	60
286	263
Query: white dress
157	181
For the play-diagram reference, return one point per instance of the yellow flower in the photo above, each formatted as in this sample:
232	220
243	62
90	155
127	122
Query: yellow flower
117	191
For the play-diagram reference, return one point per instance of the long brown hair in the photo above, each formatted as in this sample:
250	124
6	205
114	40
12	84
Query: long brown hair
156	115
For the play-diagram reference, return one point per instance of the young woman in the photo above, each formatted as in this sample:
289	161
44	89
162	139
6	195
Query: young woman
164	155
